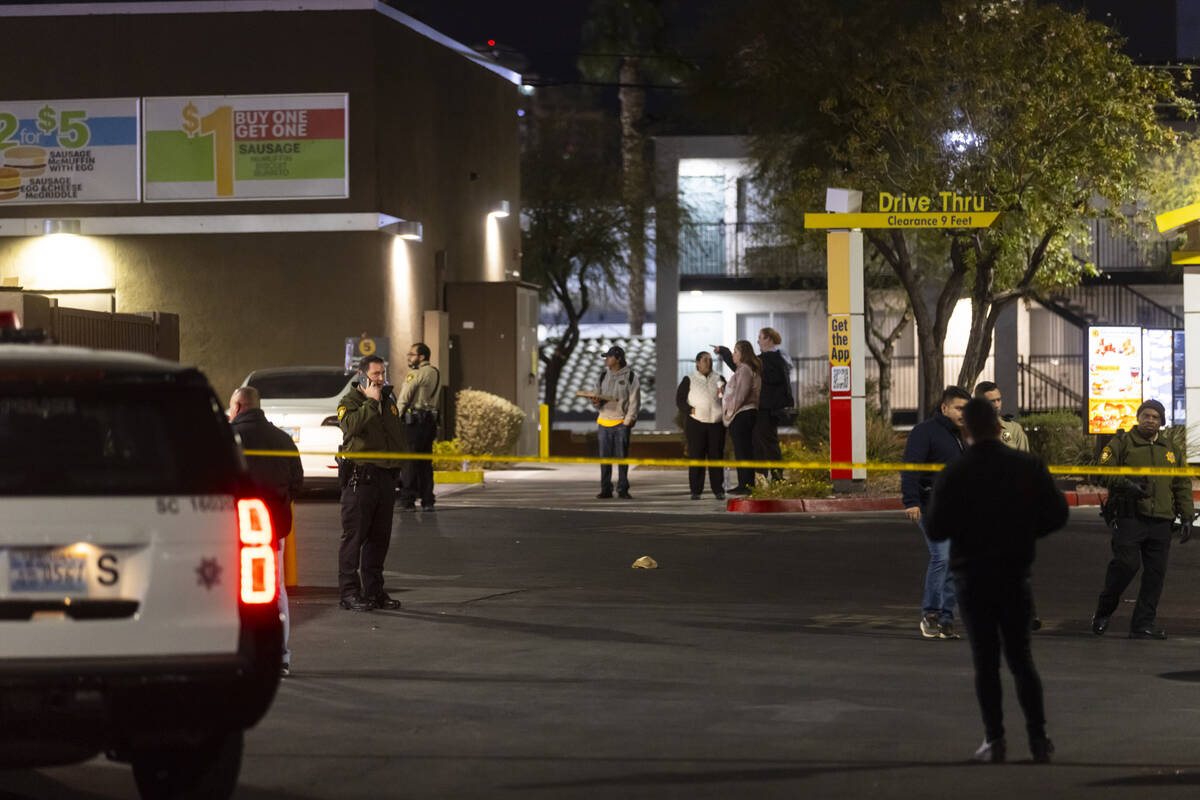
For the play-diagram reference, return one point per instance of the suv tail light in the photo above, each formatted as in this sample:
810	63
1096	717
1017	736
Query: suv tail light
256	539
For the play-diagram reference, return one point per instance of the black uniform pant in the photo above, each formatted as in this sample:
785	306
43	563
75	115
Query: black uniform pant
705	440
1137	542
766	443
741	430
367	504
418	475
997	609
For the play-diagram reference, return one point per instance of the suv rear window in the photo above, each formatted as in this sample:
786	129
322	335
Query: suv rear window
89	439
300	385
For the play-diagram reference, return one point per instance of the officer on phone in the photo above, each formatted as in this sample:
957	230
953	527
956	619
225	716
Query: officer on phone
370	423
418	408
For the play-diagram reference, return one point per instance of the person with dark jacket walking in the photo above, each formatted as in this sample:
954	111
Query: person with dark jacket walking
992	504
1143	508
937	440
280	477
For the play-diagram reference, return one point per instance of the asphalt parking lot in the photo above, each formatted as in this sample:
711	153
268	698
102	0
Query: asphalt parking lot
769	656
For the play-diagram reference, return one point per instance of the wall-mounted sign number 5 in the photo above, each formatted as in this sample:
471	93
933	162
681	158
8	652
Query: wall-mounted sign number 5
219	123
72	128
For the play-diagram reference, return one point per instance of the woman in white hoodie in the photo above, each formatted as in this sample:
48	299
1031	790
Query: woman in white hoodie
699	399
740	408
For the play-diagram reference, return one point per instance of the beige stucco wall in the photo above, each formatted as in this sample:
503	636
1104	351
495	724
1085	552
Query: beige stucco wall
433	137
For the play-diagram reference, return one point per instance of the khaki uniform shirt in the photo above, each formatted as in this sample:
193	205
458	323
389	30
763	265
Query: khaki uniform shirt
1013	435
420	388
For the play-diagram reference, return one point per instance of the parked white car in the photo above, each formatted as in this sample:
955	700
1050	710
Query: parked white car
138	600
303	402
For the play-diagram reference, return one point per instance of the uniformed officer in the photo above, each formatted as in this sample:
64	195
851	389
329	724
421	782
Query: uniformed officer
1011	433
1144	509
370	422
418	407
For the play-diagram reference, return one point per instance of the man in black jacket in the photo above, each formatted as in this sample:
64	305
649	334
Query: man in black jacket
992	504
280	477
937	440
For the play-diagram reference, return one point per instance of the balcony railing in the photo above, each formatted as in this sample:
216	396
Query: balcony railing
1044	383
744	250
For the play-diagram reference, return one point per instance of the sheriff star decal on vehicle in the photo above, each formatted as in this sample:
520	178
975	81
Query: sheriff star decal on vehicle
208	574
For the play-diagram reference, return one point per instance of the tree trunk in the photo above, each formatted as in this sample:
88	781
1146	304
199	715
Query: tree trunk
569	340
633	188
882	347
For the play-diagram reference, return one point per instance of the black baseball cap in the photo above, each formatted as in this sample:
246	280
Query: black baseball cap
615	352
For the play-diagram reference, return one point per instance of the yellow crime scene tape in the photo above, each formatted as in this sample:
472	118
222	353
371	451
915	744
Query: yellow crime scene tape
877	466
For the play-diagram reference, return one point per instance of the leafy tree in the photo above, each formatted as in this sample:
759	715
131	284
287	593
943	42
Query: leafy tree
624	41
573	232
1026	105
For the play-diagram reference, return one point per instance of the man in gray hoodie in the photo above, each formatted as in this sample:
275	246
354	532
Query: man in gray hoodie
618	402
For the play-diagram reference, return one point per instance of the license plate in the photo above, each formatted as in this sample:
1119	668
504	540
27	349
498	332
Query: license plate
46	570
293	432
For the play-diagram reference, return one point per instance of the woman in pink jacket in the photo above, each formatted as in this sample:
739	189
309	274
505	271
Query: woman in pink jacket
739	407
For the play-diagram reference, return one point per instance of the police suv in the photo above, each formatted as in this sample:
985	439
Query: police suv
138	607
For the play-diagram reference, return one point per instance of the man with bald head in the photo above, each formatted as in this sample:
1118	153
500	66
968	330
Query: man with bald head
280	477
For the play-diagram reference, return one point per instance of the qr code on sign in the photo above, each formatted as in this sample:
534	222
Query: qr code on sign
839	381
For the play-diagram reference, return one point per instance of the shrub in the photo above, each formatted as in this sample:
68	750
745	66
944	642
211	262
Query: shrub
486	424
1059	437
812	426
448	450
798	482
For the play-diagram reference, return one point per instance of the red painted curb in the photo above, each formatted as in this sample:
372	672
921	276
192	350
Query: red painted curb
813	505
829	505
745	506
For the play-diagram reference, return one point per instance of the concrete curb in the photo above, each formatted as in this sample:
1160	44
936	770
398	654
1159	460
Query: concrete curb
832	505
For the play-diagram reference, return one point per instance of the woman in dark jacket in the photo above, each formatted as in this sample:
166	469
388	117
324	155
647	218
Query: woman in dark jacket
775	397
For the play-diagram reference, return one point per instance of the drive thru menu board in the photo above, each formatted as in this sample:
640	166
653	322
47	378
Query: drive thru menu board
1114	378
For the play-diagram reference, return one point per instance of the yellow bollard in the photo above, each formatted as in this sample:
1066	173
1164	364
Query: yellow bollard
289	554
543	431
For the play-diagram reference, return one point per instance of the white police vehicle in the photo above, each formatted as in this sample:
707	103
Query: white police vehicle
138	611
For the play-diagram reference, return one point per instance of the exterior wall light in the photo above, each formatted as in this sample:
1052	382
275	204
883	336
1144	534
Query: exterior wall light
410	229
499	209
53	227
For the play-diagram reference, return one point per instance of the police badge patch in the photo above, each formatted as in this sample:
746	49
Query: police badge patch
341	411
1105	454
1005	436
1170	456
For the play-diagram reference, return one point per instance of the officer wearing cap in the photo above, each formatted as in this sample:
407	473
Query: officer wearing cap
418	409
1144	508
618	397
370	423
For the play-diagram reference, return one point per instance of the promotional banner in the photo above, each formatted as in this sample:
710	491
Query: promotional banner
246	147
1179	382
1114	378
1158	368
69	151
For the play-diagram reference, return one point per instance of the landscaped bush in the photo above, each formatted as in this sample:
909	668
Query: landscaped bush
486	424
798	482
812	427
1059	437
448	449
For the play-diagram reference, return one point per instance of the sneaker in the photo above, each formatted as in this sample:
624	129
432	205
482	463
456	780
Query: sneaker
1036	625
695	496
408	507
1100	624
625	495
1149	632
993	752
929	626
946	630
719	495
427	508
383	600
604	496
1041	749
352	603
285	670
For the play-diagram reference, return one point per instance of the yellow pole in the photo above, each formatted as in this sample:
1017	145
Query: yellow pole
543	430
289	554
